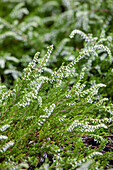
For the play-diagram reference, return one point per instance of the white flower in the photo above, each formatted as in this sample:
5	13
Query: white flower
3	128
7	146
3	137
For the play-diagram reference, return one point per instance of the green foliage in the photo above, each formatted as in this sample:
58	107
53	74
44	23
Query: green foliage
42	116
56	110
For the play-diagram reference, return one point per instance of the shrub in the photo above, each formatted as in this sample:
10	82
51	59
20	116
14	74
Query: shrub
44	120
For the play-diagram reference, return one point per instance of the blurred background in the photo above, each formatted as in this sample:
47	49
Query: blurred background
28	26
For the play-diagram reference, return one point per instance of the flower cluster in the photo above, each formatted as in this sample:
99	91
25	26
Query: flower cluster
9	144
3	128
35	86
43	118
85	126
83	35
3	137
75	164
41	64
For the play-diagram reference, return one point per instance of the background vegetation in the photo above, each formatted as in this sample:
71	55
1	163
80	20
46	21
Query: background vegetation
81	32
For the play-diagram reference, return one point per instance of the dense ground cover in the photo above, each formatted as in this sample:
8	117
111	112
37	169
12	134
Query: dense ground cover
56	108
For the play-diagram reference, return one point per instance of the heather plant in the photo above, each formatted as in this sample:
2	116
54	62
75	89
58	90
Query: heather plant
44	120
58	114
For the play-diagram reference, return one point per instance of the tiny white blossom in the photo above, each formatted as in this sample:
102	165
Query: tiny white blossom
7	146
3	137
3	128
